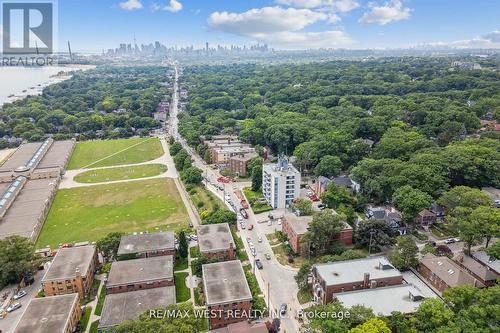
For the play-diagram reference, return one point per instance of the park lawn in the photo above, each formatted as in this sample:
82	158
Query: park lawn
182	292
252	196
120	173
99	153
91	212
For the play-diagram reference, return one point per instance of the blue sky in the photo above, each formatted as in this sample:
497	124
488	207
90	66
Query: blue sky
94	25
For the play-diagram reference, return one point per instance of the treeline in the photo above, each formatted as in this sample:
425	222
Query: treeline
107	102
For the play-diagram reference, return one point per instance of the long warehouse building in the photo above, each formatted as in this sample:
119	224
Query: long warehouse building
28	183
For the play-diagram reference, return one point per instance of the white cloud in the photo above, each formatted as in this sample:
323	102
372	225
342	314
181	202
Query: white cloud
342	6
264	20
280	27
130	5
384	14
493	36
490	40
174	6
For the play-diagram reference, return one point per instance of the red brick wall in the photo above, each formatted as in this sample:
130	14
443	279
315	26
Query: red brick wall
432	278
293	238
219	321
139	286
158	253
228	254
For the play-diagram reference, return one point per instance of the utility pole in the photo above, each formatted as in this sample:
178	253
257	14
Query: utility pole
372	232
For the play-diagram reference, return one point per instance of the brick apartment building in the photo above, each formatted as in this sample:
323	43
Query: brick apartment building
139	274
444	273
349	275
216	241
239	163
296	226
226	288
57	314
146	245
71	271
481	272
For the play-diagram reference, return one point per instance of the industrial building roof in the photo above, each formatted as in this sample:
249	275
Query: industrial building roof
225	282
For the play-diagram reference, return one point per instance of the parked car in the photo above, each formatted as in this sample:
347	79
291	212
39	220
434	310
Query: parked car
13	307
249	239
254	253
269	223
242	225
250	227
268	256
283	308
321	206
244	213
279	221
258	263
20	294
259	239
190	225
194	237
250	243
451	240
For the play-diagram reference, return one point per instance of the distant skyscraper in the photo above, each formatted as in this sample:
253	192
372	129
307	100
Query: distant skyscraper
206	46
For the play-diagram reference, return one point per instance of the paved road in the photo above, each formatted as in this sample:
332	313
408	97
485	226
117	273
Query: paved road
278	279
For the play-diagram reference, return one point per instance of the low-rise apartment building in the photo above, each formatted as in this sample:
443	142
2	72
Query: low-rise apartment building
342	276
486	260
129	306
227	293
71	271
296	226
481	272
280	183
239	163
443	273
216	241
57	314
138	274
146	245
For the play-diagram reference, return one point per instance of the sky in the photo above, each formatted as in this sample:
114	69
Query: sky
94	25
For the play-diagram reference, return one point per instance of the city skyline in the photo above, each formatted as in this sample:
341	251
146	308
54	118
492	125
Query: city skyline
281	24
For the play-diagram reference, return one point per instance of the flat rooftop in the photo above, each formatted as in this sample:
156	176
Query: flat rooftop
213	237
47	314
146	242
21	156
449	271
299	224
353	270
58	155
140	270
130	305
225	282
242	327
27	210
68	260
384	300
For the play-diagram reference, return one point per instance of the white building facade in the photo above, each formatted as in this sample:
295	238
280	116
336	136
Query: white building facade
280	183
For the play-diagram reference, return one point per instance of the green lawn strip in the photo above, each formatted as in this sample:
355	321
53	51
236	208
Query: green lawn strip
240	248
100	302
182	292
93	327
252	196
100	153
120	173
203	199
91	212
180	262
199	299
194	252
87	311
304	296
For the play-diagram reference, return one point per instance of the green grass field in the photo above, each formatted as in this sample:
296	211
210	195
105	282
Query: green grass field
91	212
120	173
182	292
252	196
203	199
99	153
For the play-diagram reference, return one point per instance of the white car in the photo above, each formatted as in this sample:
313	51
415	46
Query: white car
269	223
279	221
249	239
254	253
259	239
242	225
250	243
13	307
20	294
194	237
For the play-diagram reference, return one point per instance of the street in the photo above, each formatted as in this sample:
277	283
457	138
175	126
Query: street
276	282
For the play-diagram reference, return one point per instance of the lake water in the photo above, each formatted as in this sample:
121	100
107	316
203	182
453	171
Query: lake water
13	80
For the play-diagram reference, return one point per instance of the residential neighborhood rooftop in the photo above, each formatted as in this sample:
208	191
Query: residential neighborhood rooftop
484	258
448	271
299	224
47	314
404	298
353	270
138	270
146	242
130	305
225	282
68	260
215	237
242	327
476	267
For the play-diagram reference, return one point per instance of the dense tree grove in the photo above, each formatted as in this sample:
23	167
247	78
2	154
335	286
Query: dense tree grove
107	102
421	115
